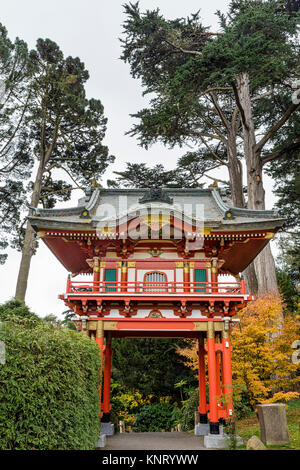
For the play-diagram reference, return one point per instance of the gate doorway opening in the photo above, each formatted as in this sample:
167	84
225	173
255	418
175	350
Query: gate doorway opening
213	343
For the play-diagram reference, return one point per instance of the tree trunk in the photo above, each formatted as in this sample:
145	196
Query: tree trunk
236	182
235	173
265	271
264	262
29	240
251	283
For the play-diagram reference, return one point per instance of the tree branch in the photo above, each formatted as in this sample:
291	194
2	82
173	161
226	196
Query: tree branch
263	95
213	152
68	173
220	135
199	134
281	152
184	51
227	183
219	111
272	131
61	191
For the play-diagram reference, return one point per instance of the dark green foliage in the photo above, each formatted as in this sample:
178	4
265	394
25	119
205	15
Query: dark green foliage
150	366
16	309
286	173
288	290
178	60
192	73
242	407
48	388
290	257
191	167
12	198
157	417
288	192
255	40
138	175
288	272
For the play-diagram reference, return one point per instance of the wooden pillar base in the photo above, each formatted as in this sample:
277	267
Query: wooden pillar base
105	418
203	418
214	428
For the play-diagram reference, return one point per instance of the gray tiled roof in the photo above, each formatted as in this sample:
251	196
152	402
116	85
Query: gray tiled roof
115	203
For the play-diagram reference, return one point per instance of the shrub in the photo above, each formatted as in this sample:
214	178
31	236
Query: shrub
15	308
241	405
48	388
189	406
125	403
157	417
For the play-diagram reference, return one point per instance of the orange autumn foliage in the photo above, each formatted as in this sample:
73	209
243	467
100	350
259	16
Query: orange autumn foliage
262	350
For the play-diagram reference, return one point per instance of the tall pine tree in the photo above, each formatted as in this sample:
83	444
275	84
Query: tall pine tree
15	158
66	134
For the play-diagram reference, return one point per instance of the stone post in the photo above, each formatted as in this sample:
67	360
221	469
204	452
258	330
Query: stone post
273	424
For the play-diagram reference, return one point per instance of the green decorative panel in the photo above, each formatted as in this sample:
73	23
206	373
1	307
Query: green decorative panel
200	276
111	277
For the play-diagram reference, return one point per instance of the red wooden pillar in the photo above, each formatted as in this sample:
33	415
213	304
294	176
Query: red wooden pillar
218	366
202	381
124	276
227	373
212	379
218	374
69	284
186	276
96	277
100	343
106	380
214	275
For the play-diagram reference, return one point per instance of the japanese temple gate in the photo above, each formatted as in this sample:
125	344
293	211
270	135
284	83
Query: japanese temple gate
156	268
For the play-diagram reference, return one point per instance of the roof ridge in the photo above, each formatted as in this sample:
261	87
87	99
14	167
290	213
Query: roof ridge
232	211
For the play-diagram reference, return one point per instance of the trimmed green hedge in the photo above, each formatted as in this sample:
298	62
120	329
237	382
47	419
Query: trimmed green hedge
48	388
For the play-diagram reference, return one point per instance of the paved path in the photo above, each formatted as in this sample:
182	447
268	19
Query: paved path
154	441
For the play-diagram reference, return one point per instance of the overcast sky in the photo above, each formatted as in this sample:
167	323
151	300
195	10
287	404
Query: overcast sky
90	30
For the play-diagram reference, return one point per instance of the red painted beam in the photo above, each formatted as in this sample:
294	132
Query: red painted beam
157	324
154	334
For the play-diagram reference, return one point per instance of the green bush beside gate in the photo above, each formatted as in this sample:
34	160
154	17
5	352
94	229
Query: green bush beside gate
48	387
157	417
